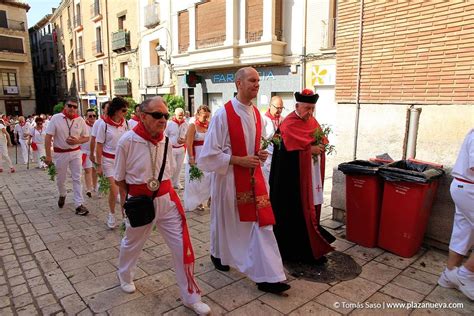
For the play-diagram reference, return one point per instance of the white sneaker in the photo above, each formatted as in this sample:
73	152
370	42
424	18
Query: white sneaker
127	287
199	308
111	221
463	284
444	280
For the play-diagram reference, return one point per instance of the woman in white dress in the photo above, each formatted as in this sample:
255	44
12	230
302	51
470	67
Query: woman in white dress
196	191
37	135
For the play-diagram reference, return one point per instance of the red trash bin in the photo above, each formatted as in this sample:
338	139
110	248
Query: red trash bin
406	208
363	201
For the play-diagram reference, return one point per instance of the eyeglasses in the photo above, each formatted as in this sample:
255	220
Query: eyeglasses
91	115
278	108
158	115
72	106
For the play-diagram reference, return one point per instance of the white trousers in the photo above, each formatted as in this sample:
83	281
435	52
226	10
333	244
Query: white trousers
178	156
72	160
4	153
24	151
266	170
168	223
462	237
40	153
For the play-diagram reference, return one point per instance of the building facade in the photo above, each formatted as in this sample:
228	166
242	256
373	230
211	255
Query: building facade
17	92
45	64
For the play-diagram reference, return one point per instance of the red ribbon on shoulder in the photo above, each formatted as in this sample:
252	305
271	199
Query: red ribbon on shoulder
253	202
140	130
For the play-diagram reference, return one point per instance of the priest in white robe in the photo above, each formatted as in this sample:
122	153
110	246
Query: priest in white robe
241	215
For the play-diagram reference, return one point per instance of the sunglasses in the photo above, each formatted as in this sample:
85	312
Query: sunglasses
72	106
91	115
158	115
124	110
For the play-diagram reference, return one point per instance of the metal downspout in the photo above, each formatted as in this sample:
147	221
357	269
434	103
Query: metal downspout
359	62
303	48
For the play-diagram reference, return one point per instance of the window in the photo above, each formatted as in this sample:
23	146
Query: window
121	22
98	37
8	78
3	19
11	44
100	71
124	70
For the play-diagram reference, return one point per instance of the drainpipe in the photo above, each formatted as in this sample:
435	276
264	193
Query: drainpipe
414	118
359	62
108	47
303	48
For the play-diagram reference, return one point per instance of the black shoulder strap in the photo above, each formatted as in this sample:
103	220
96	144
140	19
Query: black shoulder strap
163	165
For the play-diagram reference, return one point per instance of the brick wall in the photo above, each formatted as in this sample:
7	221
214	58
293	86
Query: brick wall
254	20
183	31
210	23
412	52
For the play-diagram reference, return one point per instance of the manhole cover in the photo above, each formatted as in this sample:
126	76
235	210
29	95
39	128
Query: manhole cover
339	267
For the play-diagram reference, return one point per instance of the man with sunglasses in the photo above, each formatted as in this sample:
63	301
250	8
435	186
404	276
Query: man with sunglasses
176	131
69	131
271	122
241	215
90	175
140	155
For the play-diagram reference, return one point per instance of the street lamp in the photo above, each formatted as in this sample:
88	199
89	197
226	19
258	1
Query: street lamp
163	55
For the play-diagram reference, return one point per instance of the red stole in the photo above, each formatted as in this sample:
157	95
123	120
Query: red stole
253	204
177	122
140	130
71	117
297	134
275	120
111	122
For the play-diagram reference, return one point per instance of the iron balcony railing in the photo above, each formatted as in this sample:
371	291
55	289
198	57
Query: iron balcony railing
123	86
14	25
154	76
211	42
97	47
16	91
95	8
120	40
152	15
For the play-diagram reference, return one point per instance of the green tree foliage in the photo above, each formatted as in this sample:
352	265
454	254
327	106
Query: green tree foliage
173	102
58	107
131	107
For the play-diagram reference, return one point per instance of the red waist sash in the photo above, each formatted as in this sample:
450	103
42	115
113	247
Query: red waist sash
60	150
108	155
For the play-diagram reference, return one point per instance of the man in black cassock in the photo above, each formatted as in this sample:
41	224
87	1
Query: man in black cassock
296	180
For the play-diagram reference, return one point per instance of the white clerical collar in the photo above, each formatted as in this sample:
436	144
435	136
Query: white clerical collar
297	114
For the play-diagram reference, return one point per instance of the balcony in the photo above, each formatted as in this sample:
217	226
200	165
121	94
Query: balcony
152	15
123	87
97	48
120	41
154	76
211	42
48	38
82	86
80	55
96	14
100	87
70	59
328	34
13	25
16	91
78	23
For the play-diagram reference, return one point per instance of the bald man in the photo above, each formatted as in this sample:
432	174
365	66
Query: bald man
176	131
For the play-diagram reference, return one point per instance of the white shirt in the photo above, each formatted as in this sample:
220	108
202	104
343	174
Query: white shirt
174	132
95	126
109	135
270	130
133	163
22	131
3	137
132	123
85	147
465	160
37	136
60	127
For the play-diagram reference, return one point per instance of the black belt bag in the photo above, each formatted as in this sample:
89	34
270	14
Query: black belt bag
140	209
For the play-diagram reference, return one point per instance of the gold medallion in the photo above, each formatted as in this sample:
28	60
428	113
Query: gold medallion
153	184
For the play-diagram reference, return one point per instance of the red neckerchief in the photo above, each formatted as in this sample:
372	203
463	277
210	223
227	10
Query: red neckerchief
200	124
253	203
143	133
87	122
275	120
297	135
174	119
71	117
135	118
22	124
111	122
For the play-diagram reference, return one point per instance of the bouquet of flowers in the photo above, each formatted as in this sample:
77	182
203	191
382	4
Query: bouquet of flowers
320	136
104	185
51	169
276	141
195	173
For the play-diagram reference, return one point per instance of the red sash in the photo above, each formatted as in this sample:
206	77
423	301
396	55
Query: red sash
84	156
253	203
60	150
34	146
195	144
188	252
108	155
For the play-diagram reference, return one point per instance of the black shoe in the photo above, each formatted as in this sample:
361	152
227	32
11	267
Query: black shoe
82	210
218	265
274	288
89	194
61	201
320	261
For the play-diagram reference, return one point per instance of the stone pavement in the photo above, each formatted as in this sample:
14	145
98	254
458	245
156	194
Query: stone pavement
54	262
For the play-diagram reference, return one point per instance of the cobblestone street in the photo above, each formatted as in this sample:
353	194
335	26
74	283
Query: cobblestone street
54	262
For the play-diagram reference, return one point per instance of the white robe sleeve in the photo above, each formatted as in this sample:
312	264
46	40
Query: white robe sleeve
215	154
121	158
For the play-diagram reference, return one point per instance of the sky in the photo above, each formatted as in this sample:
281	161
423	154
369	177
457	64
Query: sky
39	8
